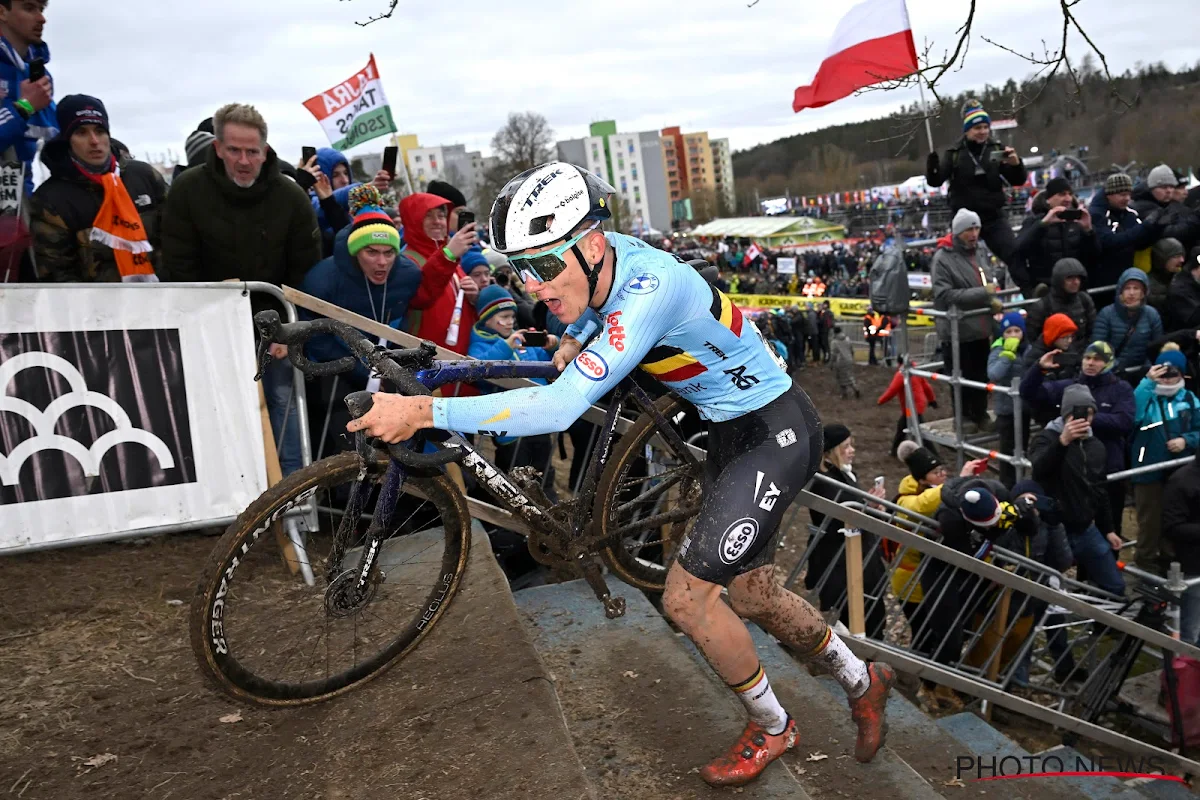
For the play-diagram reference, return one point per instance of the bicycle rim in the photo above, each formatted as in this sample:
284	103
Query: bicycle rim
263	635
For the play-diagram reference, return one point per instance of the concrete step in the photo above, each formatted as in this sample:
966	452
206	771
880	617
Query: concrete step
931	751
981	738
643	714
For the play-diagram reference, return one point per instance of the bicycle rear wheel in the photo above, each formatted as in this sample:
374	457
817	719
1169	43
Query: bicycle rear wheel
649	496
262	635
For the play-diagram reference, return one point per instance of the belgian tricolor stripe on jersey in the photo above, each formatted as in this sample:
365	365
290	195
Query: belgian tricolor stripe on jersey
671	364
725	312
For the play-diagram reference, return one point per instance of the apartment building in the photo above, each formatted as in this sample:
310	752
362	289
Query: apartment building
450	163
633	164
722	160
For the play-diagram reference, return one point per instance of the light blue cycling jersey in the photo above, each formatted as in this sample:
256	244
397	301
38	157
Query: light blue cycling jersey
662	316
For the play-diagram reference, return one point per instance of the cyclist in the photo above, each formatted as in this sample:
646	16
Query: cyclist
765	437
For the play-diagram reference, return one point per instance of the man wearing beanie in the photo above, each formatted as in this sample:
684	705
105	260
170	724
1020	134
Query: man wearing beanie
963	280
71	214
1155	201
1066	296
979	168
1130	325
365	275
1069	462
28	115
1166	261
1056	227
1120	232
1183	295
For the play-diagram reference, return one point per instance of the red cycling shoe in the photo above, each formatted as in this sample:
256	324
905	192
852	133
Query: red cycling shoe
869	711
746	760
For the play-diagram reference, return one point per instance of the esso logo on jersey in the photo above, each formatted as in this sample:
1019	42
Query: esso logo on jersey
737	539
642	284
591	365
616	331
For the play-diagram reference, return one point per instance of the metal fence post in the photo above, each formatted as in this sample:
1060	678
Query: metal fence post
955	315
914	425
1018	452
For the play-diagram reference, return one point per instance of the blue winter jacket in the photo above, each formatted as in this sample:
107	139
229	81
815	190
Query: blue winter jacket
339	280
1114	321
1120	234
1157	420
487	345
20	134
327	161
1001	370
1114	408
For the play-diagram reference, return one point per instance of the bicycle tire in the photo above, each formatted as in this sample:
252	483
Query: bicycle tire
208	642
615	555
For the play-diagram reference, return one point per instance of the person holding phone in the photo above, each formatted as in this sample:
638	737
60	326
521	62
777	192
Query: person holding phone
27	91
979	168
1056	227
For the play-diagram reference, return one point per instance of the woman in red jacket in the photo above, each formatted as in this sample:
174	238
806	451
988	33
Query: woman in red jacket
922	396
447	317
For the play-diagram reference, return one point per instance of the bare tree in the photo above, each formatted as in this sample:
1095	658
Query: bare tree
523	142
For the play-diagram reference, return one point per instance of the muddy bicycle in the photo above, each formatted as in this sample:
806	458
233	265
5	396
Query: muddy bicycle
387	532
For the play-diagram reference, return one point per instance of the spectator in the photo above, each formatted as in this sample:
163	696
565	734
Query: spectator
72	214
1155	202
797	319
1046	238
1069	462
448	320
1166	261
842	361
1052	353
812	332
1181	528
875	327
978	167
1120	232
825	322
1166	427
27	114
1129	325
457	200
1183	295
195	150
1065	297
238	217
365	276
827	557
1113	420
923	397
931	619
1004	364
962	280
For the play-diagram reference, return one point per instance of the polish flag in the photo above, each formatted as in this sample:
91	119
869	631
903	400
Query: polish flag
873	43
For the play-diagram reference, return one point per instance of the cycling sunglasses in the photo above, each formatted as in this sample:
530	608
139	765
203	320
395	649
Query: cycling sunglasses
545	267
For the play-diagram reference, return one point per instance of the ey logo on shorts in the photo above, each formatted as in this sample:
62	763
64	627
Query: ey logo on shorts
737	539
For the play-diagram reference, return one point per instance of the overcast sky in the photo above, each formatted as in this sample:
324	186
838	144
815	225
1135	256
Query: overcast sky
453	70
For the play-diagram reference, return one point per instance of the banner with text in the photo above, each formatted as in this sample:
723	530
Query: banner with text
125	411
354	111
842	307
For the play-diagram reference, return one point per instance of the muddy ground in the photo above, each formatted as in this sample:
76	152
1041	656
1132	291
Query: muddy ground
100	696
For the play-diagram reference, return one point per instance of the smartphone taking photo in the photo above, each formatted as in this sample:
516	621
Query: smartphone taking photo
465	218
37	69
307	154
390	154
535	338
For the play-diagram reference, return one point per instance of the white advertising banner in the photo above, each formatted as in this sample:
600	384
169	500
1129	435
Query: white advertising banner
785	265
124	407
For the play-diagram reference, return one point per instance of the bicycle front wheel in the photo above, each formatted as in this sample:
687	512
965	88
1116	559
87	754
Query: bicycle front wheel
263	635
649	496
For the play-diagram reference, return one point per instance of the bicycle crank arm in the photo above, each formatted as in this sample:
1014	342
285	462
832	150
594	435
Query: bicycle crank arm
614	607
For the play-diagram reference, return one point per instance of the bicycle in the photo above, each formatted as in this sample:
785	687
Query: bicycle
402	512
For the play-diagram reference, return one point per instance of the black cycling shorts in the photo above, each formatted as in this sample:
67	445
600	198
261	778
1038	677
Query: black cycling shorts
756	466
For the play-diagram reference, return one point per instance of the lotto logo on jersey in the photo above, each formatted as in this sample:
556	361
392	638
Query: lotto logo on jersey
642	284
616	331
592	365
737	539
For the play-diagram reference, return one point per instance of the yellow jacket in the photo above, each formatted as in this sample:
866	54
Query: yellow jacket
926	503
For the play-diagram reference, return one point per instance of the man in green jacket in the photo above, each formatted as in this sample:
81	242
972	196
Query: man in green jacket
239	217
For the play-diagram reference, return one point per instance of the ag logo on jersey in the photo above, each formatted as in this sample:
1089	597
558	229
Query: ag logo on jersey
592	365
737	539
642	284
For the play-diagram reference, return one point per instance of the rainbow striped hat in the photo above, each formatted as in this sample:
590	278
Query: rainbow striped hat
973	114
372	226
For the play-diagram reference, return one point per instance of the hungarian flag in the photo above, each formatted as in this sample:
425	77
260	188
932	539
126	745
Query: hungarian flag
873	43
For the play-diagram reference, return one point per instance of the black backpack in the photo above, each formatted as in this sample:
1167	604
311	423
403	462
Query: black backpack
889	283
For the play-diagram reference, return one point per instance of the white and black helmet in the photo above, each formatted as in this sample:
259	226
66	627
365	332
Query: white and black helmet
545	204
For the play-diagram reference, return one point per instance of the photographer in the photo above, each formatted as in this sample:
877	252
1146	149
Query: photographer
978	167
1057	227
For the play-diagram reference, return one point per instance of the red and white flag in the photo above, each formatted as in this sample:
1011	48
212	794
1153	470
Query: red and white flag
752	252
873	43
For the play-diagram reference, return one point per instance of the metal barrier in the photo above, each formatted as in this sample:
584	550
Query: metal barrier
990	627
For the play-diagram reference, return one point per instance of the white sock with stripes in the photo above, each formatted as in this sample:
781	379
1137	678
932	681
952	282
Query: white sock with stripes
848	669
761	704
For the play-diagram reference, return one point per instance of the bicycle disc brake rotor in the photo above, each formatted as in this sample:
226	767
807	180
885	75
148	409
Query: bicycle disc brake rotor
343	598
